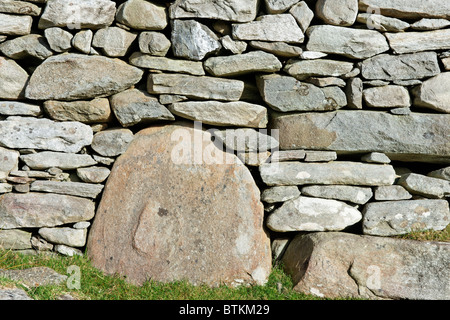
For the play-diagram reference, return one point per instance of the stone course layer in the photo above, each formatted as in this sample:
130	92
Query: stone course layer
207	140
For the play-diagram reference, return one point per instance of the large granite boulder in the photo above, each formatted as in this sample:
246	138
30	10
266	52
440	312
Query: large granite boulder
177	207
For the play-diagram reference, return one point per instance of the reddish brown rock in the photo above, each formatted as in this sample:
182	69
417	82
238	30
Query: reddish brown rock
167	216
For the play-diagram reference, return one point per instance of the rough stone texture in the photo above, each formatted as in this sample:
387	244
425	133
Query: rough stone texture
58	39
358	195
236	65
430	24
434	93
13	25
246	140
9	160
195	87
20	7
281	49
401	67
388	193
303	14
73	14
332	265
66	236
34	210
34	277
278	6
389	96
112	142
27	132
354	92
338	172
154	43
76	76
31	46
413	9
142	15
93	174
279	27
133	106
91	111
284	93
413	137
337	12
82	41
443	173
408	42
79	189
240	114
352	43
15	239
303	69
425	186
280	194
382	23
13	79
234	10
376	157
313	214
66	161
13	294
113	41
193	40
160	237
11	108
166	64
391	218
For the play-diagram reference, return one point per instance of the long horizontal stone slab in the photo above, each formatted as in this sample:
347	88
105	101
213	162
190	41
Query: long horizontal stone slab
79	189
407	42
414	137
48	159
35	210
411	9
331	173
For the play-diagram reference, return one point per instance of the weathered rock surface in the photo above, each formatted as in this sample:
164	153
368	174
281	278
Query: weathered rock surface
413	9
352	43
82	41
35	133
278	6
89	14
234	10
337	12
246	140
133	106
34	210
443	173
382	23
239	113
332	265
281	49
338	172
34	277
113	41
65	161
142	15
408	42
13	294
235	65
85	111
402	67
66	236
285	94
425	186
112	142
390	96
58	39
9	160
303	14
13	78
313	214
413	137
303	69
154	43
358	195
430	24
79	189
93	174
20	8
15	25
280	194
15	239
399	217
195	87
434	93
160	236
388	193
166	64
77	76
31	46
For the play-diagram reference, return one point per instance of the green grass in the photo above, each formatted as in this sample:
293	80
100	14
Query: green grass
95	285
428	235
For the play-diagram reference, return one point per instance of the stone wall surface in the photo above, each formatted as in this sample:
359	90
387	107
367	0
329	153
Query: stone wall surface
207	140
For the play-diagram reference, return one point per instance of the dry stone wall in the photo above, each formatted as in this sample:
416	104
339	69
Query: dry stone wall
340	110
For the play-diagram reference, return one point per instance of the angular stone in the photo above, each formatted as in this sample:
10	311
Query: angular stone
15	239
313	214
133	106
280	194
79	189
59	39
409	42
14	108
13	79
414	137
166	64
430	24
284	93
352	43
413	9
407	66
193	40
35	210
337	12
434	93
142	15
5	187
90	14
278	27
33	133
66	236
14	294
302	69
20	7
288	155
93	174
332	173
92	111
425	186
303	14
391	218
443	173
65	161
113	41
376	157
12	25
112	142
154	43
239	113
83	40
31	46
320	156
9	160
343	265
246	140
34	277
76	76
389	96
236	65
389	193
152	232
281	49
354	92
234	10
195	87
327	82
278	6
357	195
382	23
235	46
